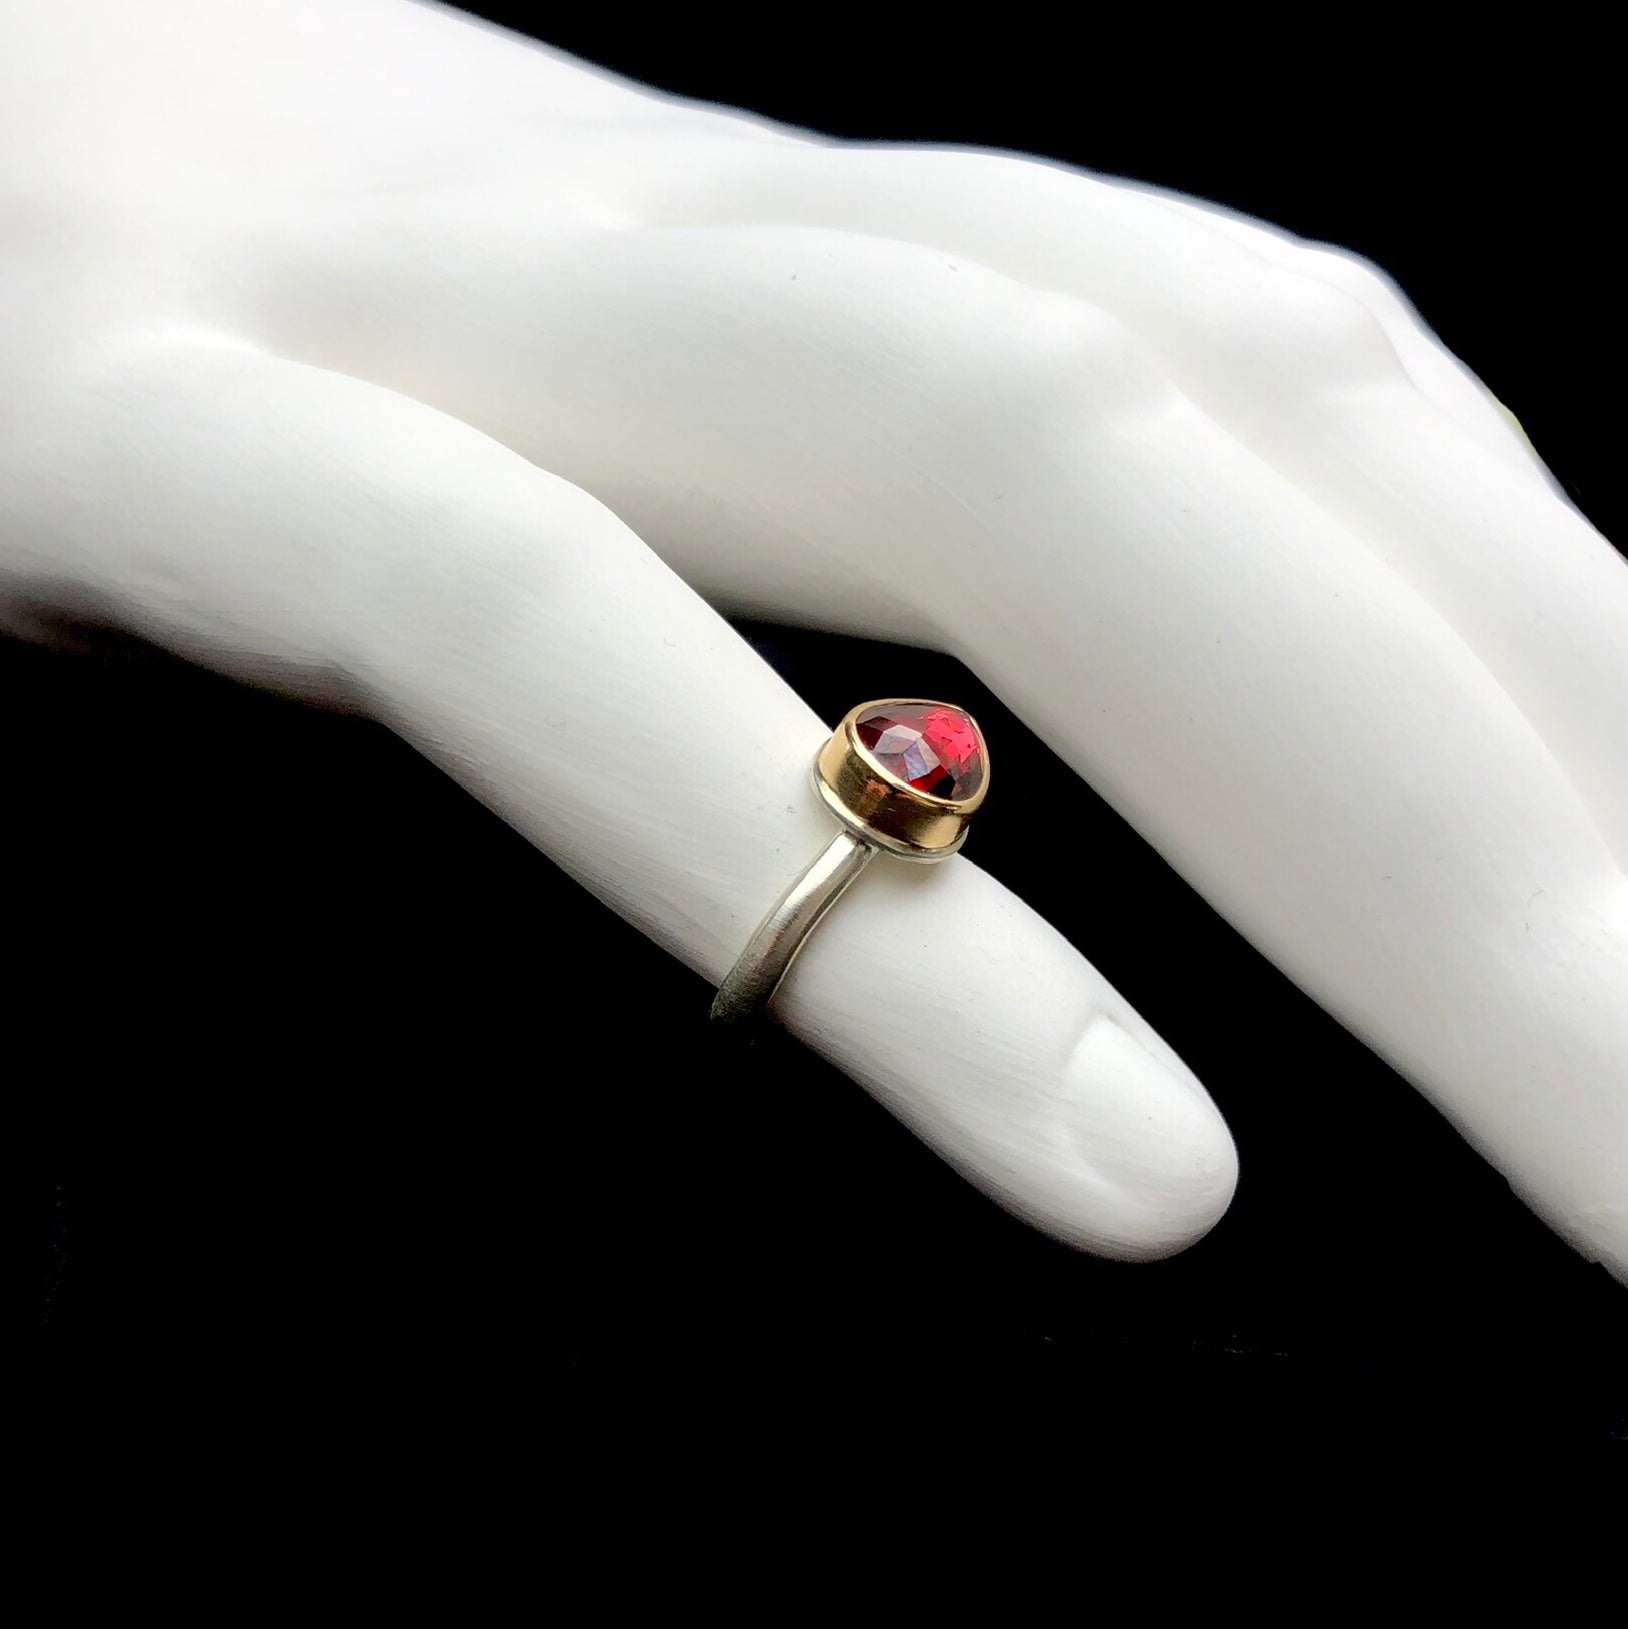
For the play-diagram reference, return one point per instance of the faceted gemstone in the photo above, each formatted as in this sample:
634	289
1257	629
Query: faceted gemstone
935	748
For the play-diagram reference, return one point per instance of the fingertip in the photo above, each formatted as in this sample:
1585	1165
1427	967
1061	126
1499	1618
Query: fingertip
1163	1163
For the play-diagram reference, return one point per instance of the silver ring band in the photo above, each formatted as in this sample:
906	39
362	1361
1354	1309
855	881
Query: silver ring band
769	953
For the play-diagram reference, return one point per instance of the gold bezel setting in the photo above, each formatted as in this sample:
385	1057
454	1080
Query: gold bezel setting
883	809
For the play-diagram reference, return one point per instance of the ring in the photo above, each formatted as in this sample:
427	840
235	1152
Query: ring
903	778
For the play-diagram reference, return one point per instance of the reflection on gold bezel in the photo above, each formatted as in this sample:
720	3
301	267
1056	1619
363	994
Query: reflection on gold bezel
881	807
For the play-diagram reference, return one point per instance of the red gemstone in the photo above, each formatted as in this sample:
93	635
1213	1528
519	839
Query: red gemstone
937	749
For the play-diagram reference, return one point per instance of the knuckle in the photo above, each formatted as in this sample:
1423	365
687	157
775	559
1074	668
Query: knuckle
1321	326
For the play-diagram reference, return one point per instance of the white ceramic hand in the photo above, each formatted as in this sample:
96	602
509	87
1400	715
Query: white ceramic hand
322	320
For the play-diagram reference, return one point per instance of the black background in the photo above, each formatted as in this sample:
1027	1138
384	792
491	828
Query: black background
332	1128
